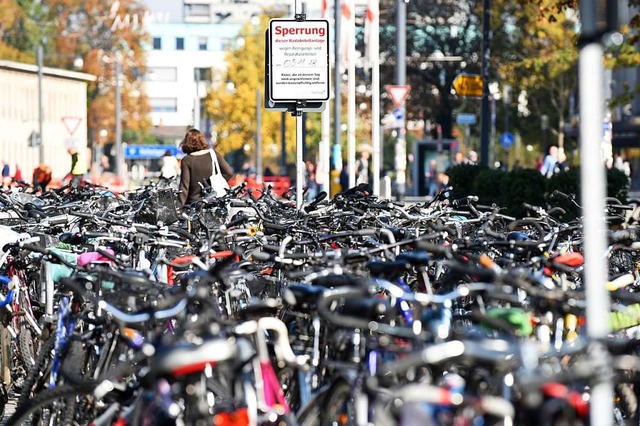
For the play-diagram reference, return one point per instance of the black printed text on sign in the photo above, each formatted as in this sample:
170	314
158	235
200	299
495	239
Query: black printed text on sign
299	60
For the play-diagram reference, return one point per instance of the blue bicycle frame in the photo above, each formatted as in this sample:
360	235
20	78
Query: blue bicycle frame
66	324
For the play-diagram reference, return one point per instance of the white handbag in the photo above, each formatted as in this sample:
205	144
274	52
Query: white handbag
219	184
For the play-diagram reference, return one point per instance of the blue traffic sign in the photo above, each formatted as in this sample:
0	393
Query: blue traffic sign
465	119
507	140
142	152
397	114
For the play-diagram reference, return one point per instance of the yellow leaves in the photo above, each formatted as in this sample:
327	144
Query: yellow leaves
10	53
232	101
9	12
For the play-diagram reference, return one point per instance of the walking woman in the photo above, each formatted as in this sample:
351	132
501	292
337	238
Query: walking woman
197	166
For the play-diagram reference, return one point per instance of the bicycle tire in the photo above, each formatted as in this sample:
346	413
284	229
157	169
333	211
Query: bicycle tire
318	411
72	364
338	400
44	355
48	396
27	349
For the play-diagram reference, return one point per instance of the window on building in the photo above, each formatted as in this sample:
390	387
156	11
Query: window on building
157	43
202	43
197	10
162	74
227	43
163	104
203	74
180	43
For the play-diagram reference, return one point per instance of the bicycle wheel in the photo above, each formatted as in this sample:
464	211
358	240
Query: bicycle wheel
37	376
27	348
327	408
51	406
337	407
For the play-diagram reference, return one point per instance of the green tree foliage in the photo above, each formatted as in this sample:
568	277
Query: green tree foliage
536	52
434	28
231	102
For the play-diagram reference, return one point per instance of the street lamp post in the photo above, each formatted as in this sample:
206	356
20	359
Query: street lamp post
119	154
258	136
544	124
486	57
401	77
40	55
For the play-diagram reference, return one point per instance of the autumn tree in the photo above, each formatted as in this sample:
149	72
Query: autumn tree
231	102
17	30
536	54
97	31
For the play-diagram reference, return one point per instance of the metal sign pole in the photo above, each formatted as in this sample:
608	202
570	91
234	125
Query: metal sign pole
40	102
593	196
120	169
258	137
401	78
351	95
299	161
593	192
375	102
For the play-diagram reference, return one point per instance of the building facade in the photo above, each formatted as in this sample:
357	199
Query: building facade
64	117
189	43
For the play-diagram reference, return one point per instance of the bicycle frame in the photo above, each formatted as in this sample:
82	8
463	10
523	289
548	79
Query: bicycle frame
66	325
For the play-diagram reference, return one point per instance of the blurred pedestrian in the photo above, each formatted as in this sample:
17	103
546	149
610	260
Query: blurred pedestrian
169	167
458	159
78	168
311	184
561	165
197	166
18	174
472	158
344	176
550	161
363	169
620	162
6	173
432	178
517	165
41	177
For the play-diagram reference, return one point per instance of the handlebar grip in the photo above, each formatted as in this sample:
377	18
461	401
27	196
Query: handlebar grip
557	210
626	236
239	203
81	214
620	207
260	256
35	249
560	194
274	226
365	232
89	235
433	248
107	254
58	220
530	207
239	219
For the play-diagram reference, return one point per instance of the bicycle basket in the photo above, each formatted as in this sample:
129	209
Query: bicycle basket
160	206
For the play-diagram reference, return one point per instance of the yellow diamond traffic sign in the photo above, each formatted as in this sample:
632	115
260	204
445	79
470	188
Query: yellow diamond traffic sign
468	85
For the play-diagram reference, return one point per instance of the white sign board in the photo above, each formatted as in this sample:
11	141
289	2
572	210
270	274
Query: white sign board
299	62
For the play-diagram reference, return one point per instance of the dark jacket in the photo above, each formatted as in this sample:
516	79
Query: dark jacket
196	168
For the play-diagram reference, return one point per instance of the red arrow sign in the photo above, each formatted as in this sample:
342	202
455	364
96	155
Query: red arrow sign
398	94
